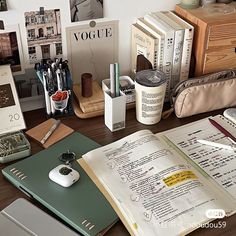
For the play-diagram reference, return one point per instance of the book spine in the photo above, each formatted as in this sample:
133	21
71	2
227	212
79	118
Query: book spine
186	54
177	57
168	49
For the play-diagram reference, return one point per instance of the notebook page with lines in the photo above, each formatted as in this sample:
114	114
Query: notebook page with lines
218	163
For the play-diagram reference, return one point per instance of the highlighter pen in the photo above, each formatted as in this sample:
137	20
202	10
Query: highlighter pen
112	80
117	79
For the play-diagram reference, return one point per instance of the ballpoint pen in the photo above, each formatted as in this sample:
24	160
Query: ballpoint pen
50	132
219	145
223	130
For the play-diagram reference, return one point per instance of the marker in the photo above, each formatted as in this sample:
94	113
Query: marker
219	145
223	130
117	80
112	80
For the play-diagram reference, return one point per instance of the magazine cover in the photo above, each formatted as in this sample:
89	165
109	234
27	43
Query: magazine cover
91	48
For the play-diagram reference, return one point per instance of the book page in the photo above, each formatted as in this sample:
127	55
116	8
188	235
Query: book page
218	163
155	189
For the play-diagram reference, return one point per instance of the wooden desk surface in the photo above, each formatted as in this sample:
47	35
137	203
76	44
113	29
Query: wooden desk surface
95	129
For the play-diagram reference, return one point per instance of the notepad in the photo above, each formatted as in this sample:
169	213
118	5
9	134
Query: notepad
39	131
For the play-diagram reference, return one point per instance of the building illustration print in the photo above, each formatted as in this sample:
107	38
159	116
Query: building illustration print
43	34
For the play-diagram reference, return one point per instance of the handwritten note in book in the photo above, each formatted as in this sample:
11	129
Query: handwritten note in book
219	163
152	184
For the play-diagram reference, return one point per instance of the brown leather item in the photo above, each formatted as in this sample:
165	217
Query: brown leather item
86	80
143	63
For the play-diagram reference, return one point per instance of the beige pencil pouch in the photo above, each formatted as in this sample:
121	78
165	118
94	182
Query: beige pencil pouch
205	93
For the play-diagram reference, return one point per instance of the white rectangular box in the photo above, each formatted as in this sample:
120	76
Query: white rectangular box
115	111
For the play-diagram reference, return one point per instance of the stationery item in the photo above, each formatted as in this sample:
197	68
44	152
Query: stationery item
222	130
115	111
57	83
50	132
230	114
41	130
117	79
203	94
112	80
11	115
150	88
76	205
13	146
87	83
126	86
22	218
164	184
219	145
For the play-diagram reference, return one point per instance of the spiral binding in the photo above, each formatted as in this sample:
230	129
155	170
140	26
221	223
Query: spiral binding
18	173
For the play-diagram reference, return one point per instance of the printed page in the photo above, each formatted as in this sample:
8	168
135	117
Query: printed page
218	163
155	189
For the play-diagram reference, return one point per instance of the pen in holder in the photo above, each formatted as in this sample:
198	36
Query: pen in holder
115	110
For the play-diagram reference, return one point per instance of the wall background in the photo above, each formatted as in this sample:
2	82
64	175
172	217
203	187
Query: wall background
126	11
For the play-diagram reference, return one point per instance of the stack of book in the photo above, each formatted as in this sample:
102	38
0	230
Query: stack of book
166	41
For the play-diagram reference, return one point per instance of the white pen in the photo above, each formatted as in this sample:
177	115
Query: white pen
219	145
50	132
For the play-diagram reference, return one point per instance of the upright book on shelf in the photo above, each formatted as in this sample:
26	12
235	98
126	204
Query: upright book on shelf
169	33
160	42
142	43
166	183
187	43
178	47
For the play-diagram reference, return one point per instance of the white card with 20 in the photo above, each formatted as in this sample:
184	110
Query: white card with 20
11	117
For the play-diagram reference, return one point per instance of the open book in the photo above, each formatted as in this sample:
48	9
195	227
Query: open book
167	183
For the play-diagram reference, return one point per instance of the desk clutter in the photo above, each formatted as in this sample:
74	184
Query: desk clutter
156	184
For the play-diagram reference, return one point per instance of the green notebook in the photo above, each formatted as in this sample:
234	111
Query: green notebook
81	205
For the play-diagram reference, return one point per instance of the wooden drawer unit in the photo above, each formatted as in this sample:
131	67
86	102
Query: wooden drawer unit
214	45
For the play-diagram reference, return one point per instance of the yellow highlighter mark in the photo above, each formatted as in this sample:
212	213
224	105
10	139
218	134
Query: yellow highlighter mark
179	177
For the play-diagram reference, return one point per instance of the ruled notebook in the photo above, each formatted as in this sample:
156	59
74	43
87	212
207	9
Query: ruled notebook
82	205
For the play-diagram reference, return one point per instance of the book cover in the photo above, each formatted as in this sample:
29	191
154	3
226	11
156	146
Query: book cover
159	60
92	47
11	115
143	43
77	204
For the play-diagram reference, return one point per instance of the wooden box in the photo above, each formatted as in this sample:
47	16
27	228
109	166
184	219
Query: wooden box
214	45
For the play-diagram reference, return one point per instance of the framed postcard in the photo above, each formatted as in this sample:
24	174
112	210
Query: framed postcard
11	49
10	110
91	48
81	10
43	34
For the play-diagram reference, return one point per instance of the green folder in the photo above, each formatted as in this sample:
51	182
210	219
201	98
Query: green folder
81	205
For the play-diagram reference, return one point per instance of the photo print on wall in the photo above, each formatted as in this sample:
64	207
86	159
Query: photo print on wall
11	50
43	34
86	9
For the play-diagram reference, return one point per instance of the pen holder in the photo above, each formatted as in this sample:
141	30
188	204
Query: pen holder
115	110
